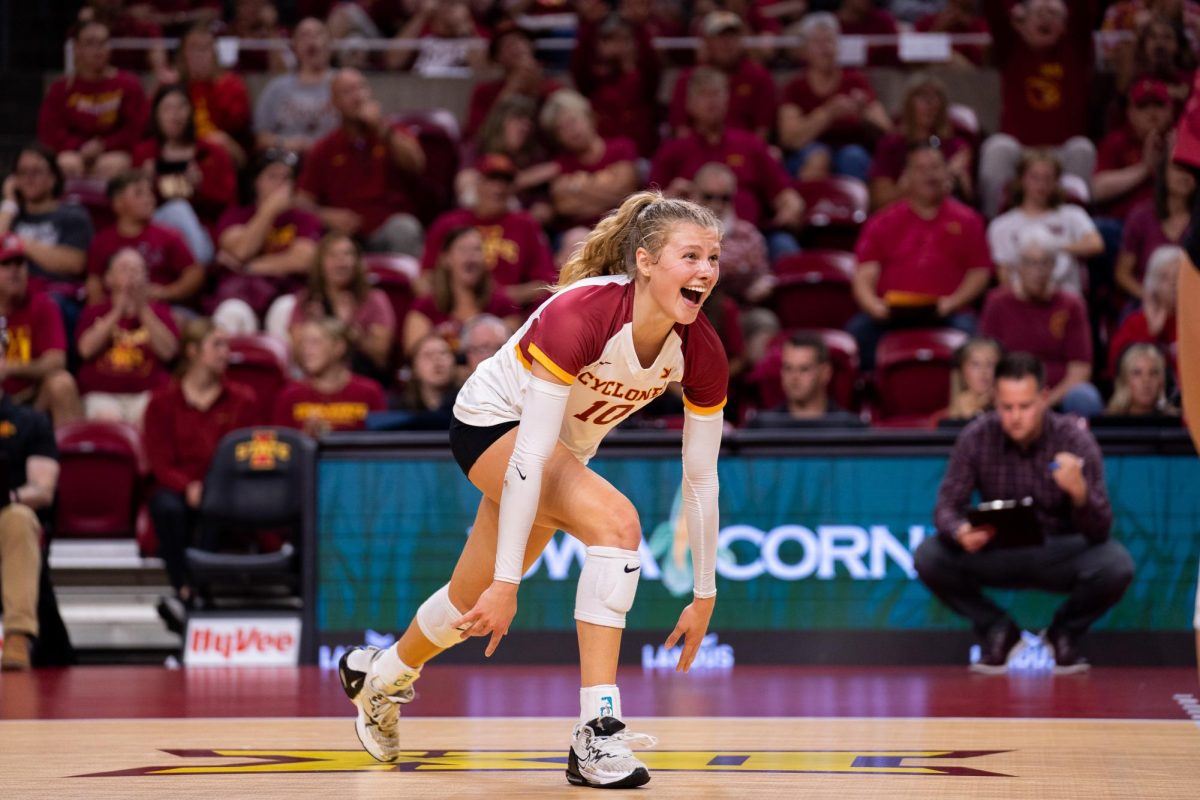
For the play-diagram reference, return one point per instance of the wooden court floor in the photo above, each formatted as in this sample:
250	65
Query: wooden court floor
111	733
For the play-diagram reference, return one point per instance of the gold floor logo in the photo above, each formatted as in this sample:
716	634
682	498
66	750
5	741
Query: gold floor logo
854	762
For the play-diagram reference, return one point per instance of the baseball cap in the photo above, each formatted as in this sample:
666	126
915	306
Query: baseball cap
1148	90
497	165
717	22
11	248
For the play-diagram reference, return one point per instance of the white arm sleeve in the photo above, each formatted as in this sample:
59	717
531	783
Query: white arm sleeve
541	420
701	445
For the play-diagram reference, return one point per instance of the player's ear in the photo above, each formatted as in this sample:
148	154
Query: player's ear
644	261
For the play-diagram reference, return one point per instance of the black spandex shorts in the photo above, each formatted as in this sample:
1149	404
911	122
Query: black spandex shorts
469	442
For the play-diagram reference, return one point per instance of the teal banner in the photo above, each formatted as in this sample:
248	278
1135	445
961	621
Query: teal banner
806	544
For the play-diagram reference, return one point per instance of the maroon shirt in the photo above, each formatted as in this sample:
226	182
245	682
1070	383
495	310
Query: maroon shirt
486	93
1143	234
629	97
1044	93
1057	331
515	247
760	176
1120	148
287	227
128	364
891	154
448	327
876	23
752	98
344	410
615	151
165	252
180	439
986	461
74	111
844	130
34	327
358	175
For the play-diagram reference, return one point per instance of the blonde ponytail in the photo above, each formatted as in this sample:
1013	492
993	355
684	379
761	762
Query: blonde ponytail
643	220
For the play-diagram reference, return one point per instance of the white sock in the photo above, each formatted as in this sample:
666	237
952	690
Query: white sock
393	673
599	701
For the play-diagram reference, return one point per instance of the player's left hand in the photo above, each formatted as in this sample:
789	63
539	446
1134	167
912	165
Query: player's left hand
492	614
692	626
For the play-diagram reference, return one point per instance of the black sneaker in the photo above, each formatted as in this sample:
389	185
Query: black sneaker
600	756
999	643
1067	658
173	612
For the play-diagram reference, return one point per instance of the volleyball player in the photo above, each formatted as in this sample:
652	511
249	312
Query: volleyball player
624	322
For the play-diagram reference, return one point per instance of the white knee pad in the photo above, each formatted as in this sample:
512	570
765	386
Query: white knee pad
607	585
435	617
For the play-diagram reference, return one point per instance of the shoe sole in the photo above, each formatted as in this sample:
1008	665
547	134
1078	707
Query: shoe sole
639	777
344	676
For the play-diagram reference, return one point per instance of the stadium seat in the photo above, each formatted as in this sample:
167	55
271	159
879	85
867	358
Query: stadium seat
834	210
438	132
394	274
843	355
259	482
261	363
102	478
814	289
912	374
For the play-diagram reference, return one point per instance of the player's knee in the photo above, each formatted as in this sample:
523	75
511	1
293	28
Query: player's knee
621	527
607	586
435	618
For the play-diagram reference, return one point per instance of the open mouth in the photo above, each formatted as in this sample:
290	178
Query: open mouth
692	296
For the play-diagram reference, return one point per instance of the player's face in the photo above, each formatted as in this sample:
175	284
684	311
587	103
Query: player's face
686	272
1022	406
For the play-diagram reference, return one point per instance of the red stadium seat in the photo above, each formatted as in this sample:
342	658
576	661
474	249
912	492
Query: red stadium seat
394	273
912	373
764	378
814	289
261	363
102	477
835	209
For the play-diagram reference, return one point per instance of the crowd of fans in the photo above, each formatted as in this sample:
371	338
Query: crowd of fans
1056	234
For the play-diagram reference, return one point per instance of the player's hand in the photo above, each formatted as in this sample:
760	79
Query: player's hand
692	625
973	539
492	614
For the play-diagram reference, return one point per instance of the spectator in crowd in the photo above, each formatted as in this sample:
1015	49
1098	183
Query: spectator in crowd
356	177
1140	389
482	336
184	166
33	368
428	396
184	422
1038	198
1153	323
176	16
125	343
1041	319
922	260
125	20
805	374
765	196
511	51
515	249
745	270
863	18
1155	33
266	250
175	275
973	381
1044	54
220	102
1160	51
329	397
293	111
956	17
594	174
450	41
511	130
337	287
30	454
93	118
1133	153
257	19
1161	220
462	287
829	117
924	117
1022	449
760	326
616	67
751	94
55	235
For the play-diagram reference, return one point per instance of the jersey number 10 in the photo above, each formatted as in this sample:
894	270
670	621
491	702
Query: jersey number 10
598	414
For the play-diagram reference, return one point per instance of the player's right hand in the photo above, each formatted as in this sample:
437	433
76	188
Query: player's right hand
492	614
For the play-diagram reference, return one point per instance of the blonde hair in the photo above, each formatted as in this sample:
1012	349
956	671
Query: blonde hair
643	220
958	385
1122	397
